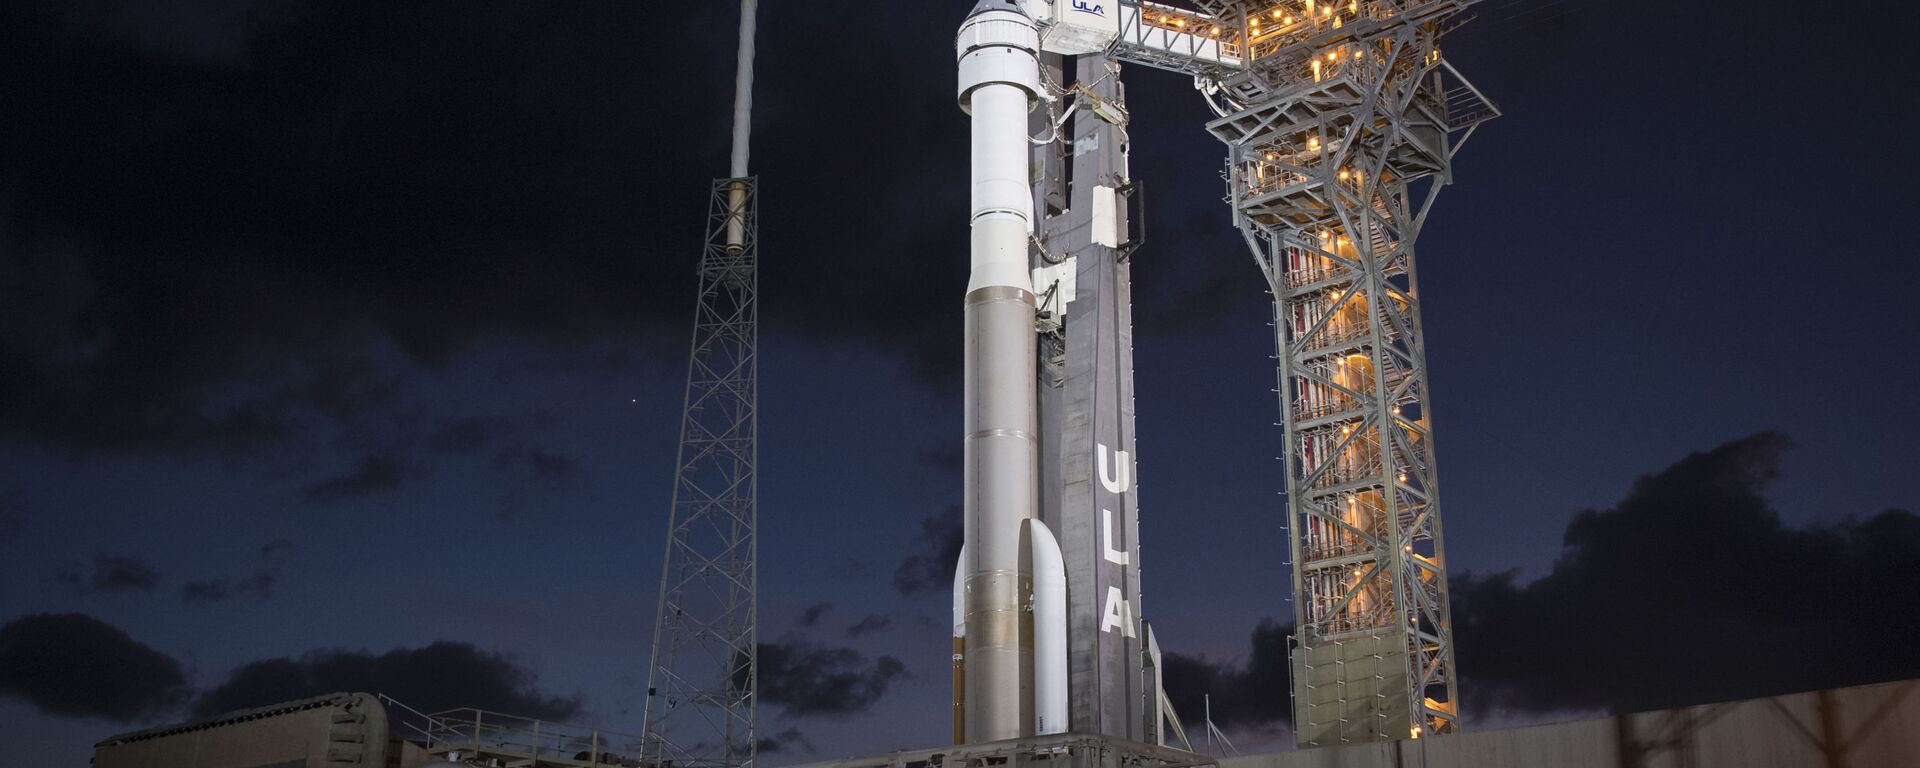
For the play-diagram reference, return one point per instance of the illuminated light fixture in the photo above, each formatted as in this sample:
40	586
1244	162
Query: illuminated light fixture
1331	56
1269	155
1179	22
1343	176
1356	55
1216	32
1313	143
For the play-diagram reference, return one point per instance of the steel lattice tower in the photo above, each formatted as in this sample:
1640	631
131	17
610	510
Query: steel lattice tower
1338	143
700	708
1341	120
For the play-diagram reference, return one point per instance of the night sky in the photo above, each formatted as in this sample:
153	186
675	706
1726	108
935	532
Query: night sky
342	346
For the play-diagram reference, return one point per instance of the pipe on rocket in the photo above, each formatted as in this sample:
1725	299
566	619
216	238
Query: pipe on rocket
999	83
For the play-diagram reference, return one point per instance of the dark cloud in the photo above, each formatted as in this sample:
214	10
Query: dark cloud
438	677
936	552
1253	692
306	188
1691	590
463	436
113	573
257	585
537	468
74	665
808	679
373	473
811	615
313	188
552	468
872	622
786	740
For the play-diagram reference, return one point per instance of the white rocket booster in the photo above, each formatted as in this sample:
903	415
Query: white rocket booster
999	84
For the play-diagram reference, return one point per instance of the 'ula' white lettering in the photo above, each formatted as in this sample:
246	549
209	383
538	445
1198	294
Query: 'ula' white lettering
1121	476
1117	614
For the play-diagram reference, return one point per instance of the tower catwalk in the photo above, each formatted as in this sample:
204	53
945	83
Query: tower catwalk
700	707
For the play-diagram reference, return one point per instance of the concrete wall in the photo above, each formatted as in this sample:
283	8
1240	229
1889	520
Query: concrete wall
1871	726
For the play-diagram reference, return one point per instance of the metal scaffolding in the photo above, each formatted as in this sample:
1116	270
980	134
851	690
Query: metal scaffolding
1341	120
700	690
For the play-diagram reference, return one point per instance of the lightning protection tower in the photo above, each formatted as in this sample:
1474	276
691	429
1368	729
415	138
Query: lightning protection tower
700	707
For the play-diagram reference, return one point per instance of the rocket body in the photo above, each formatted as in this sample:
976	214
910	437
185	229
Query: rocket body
999	84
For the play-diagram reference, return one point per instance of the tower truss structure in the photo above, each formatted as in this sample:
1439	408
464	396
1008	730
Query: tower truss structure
700	710
1341	121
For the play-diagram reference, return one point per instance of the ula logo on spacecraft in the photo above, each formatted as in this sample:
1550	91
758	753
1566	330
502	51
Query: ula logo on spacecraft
1086	7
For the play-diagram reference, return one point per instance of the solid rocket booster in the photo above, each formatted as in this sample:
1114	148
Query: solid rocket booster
999	83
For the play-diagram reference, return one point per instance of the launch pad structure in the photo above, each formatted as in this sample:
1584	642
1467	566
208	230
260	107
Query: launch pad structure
1340	121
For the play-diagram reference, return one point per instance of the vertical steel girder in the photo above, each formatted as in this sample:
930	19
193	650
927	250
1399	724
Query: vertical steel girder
1335	153
700	710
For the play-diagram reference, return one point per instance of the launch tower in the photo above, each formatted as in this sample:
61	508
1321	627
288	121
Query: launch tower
1341	120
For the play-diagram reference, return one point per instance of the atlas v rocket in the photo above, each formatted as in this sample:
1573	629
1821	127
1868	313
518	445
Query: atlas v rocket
999	84
1035	436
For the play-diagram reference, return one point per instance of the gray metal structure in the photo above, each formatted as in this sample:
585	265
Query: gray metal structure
1059	750
701	705
1085	382
1341	120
